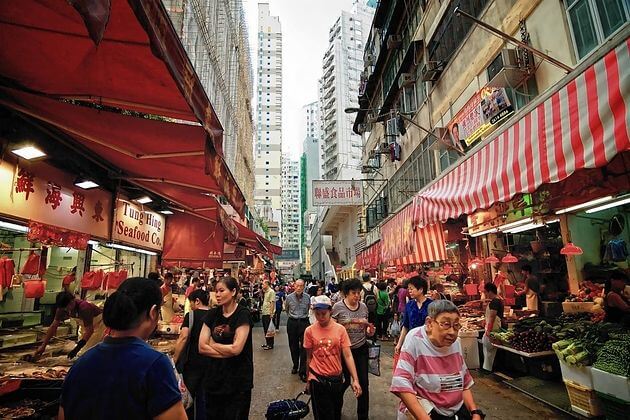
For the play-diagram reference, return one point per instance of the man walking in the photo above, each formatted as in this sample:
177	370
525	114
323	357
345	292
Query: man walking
268	309
297	308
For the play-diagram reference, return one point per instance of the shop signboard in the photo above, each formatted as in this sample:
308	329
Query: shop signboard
500	214
481	114
337	193
138	226
42	193
373	236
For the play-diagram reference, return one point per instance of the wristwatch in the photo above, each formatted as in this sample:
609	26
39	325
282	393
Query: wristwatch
479	413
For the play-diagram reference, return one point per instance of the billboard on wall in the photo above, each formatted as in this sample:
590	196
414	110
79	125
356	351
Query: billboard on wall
481	114
337	193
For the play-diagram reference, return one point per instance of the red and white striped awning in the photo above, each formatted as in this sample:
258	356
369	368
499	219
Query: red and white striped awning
404	243
582	125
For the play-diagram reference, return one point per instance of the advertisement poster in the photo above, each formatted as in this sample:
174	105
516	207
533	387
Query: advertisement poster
481	114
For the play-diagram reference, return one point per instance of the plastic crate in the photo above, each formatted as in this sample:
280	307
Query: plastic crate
584	400
614	408
579	375
614	385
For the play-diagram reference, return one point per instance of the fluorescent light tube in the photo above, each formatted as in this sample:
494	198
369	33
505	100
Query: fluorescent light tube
86	184
14	227
620	202
143	200
511	225
130	248
585	205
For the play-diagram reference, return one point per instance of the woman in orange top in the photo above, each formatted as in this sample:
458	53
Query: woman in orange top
326	342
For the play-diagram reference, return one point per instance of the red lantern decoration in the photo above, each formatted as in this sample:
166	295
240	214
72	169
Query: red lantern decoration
571	249
509	259
491	259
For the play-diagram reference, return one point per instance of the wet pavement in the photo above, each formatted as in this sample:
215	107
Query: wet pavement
273	380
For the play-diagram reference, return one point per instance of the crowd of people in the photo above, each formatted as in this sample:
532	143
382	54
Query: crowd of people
329	331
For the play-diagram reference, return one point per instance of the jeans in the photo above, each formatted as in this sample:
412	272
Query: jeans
228	407
360	356
295	332
326	401
266	320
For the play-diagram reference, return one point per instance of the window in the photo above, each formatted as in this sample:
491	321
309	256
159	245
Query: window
521	95
592	21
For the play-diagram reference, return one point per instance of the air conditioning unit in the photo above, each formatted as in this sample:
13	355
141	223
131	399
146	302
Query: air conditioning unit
370	59
364	127
366	169
406	79
394	41
432	71
507	69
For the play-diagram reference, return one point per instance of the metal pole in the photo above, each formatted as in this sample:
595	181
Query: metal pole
521	44
415	124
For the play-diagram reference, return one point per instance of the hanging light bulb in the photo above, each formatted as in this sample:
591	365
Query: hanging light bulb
509	259
491	259
571	249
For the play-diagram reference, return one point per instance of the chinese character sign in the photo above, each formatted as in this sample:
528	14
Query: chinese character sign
337	193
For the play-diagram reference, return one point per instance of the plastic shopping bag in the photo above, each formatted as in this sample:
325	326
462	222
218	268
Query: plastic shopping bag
271	331
187	398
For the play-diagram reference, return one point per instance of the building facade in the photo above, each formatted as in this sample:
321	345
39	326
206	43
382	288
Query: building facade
268	192
215	36
290	205
342	65
424	62
310	169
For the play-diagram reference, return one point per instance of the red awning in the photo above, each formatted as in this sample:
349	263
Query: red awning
190	241
582	125
405	243
255	242
131	58
126	56
166	158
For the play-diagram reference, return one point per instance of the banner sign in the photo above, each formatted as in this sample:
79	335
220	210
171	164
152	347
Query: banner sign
337	193
39	192
398	235
136	225
481	115
500	214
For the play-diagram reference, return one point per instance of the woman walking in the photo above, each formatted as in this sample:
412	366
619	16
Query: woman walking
226	338
382	311
416	309
326	342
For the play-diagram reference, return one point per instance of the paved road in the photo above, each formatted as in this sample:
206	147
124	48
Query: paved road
273	381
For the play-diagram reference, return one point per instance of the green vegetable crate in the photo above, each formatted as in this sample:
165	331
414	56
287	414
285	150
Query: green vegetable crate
614	408
584	400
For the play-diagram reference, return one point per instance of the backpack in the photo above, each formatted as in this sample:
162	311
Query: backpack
369	298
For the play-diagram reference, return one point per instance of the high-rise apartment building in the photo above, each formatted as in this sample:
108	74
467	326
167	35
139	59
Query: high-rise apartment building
268	192
215	36
342	67
290	206
310	164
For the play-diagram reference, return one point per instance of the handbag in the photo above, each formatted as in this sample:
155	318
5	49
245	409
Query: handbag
187	398
183	358
374	359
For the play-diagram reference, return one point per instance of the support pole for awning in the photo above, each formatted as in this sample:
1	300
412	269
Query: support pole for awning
521	44
170	155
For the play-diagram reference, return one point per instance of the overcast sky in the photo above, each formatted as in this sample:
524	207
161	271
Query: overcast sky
305	26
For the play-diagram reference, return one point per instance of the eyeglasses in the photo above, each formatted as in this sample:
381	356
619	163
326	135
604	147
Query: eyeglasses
447	326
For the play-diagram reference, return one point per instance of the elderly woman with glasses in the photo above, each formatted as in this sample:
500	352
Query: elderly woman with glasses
431	378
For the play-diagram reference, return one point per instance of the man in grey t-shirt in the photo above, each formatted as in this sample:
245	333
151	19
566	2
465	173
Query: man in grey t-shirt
353	315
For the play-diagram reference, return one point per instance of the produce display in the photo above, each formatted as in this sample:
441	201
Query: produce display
588	292
40	374
582	341
532	335
614	356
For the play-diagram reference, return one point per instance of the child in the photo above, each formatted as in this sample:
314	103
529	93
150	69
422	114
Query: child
394	328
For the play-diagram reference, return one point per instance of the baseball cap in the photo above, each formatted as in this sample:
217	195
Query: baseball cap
321	302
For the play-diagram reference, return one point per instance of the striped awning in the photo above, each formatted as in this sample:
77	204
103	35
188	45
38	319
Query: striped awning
403	242
582	125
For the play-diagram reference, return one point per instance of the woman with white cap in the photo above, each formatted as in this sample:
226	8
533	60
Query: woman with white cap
326	342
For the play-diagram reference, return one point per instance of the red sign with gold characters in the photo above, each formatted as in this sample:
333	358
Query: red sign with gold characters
42	193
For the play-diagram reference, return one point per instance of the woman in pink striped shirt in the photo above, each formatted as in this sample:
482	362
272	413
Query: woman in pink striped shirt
431	378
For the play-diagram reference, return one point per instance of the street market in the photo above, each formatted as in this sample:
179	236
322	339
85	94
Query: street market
144	273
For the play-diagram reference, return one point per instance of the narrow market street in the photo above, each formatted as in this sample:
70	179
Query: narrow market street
273	381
